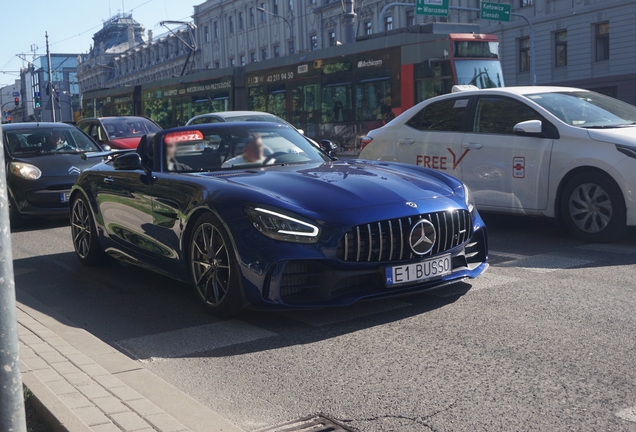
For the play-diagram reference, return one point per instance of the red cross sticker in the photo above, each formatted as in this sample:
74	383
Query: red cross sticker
518	167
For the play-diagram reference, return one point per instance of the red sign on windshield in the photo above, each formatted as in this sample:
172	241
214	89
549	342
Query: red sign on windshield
181	136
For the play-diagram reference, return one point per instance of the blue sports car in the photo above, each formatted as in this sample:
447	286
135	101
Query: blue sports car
252	214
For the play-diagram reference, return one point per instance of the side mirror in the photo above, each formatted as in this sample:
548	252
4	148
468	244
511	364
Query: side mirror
328	147
106	147
530	127
127	162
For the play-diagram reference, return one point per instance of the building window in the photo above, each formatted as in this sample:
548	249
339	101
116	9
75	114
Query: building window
291	5
312	2
561	48
525	3
252	16
332	38
275	7
216	30
242	60
410	17
602	42
368	29
217	65
264	54
276	51
230	24
388	23
240	20
314	42
206	32
524	54
232	62
252	57
263	12
290	47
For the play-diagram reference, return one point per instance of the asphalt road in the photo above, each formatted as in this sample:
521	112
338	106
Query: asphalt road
543	341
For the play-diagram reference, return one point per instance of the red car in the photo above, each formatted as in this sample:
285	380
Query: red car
118	132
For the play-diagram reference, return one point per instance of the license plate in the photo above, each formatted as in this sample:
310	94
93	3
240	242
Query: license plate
65	196
418	272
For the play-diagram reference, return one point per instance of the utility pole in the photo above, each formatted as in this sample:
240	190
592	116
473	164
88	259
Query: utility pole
50	84
11	394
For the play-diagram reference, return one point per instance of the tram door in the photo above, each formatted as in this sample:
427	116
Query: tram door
305	106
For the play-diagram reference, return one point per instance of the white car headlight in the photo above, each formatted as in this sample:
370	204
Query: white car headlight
468	196
283	227
25	170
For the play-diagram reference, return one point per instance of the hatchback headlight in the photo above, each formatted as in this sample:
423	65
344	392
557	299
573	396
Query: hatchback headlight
25	170
282	226
468	196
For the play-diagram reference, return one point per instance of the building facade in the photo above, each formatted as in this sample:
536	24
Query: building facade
7	101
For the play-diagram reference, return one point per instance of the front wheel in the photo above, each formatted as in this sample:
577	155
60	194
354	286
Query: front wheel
593	208
85	241
213	267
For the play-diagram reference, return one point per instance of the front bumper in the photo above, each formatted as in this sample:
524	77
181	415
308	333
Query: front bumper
42	197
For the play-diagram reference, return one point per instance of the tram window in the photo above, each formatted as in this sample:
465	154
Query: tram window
276	101
256	99
336	103
373	100
426	89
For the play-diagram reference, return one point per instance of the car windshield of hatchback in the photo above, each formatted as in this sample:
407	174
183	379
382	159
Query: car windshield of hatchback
587	109
118	127
34	141
240	147
256	117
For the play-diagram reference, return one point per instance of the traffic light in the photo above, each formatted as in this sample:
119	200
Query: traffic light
37	102
17	101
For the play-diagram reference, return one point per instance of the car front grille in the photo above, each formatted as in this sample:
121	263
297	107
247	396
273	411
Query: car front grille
388	240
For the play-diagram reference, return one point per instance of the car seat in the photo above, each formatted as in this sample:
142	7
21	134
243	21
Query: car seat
146	151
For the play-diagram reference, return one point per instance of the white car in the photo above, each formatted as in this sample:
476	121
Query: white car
547	151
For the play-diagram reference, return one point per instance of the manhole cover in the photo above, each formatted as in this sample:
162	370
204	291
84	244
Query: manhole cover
314	423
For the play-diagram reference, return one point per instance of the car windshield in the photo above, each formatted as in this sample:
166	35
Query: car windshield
215	148
129	127
586	109
256	117
34	141
480	73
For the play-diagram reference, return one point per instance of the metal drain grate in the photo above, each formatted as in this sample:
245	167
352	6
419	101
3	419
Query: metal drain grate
313	423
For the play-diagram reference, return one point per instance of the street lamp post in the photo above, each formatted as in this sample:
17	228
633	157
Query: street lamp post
291	27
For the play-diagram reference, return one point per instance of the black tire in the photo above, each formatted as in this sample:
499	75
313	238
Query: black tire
84	233
593	208
213	267
15	218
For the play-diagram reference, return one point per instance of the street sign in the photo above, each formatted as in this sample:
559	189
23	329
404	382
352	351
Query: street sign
495	11
16	94
6	109
432	7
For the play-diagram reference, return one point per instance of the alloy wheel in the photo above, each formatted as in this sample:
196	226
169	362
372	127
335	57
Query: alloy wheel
590	208
81	228
210	263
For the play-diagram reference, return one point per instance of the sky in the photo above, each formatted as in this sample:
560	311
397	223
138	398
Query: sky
71	25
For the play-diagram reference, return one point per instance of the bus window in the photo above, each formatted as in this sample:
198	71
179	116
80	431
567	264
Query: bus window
276	101
373	99
336	103
256	99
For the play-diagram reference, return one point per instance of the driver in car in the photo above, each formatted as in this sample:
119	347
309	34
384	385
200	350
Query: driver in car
171	161
253	152
54	142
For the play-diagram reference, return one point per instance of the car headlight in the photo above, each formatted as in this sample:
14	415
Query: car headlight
281	226
25	170
468	196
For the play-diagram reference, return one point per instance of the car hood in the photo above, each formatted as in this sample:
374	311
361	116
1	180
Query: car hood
59	165
125	143
340	185
621	135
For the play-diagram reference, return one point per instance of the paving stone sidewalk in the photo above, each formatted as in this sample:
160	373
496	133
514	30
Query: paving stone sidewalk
85	385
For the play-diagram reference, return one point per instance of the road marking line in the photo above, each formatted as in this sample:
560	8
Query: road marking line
507	255
180	343
628	414
323	317
619	249
545	263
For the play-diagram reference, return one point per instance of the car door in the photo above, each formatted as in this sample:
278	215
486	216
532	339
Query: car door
124	198
433	137
505	170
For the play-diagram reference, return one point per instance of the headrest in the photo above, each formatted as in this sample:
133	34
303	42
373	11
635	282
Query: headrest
144	149
35	139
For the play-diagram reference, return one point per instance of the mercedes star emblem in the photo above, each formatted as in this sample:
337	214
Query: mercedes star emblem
411	204
422	238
